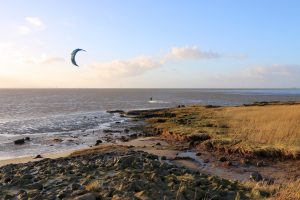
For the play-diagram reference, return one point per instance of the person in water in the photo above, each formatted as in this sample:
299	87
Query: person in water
151	99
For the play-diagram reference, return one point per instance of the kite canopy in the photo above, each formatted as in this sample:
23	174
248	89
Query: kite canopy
73	54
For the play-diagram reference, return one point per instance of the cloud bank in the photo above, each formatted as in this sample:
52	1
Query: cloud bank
125	68
139	65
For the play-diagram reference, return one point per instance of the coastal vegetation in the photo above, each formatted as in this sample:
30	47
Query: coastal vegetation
265	130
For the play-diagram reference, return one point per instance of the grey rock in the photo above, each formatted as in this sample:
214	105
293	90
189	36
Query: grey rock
88	196
256	176
19	141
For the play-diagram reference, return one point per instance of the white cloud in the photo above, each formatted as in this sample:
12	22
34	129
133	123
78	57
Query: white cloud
280	75
139	65
191	53
44	59
273	70
35	22
125	68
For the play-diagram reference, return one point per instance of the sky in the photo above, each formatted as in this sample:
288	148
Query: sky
150	44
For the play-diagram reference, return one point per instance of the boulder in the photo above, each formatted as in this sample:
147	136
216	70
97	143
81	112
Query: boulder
19	141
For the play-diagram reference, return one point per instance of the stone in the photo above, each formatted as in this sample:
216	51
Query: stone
57	140
222	159
198	154
87	196
22	194
27	138
260	163
38	156
245	161
75	186
19	141
115	111
36	186
256	176
98	142
27	176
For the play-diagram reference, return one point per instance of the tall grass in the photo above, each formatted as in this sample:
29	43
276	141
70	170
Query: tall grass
273	125
290	192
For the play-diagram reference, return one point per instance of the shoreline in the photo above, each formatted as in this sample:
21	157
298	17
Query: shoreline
185	151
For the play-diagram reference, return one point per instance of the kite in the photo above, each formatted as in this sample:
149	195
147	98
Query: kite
73	54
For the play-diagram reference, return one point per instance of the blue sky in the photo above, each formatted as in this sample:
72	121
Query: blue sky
135	43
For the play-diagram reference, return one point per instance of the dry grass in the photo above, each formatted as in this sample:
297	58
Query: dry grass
290	192
93	186
270	130
268	126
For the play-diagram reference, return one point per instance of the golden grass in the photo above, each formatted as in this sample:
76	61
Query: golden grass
270	126
290	192
270	130
93	186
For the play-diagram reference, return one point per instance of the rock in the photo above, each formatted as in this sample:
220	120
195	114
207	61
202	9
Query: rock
122	115
115	111
245	161
256	176
228	163
222	159
152	157
36	186
87	196
142	195
118	122
38	156
19	141
98	142
158	144
161	120
22	194
8	197
75	186
126	130
124	139
57	140
27	176
260	163
163	158
198	154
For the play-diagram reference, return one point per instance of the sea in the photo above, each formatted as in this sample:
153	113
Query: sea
58	120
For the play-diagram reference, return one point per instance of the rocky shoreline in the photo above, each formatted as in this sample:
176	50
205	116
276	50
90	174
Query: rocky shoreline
166	166
113	172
